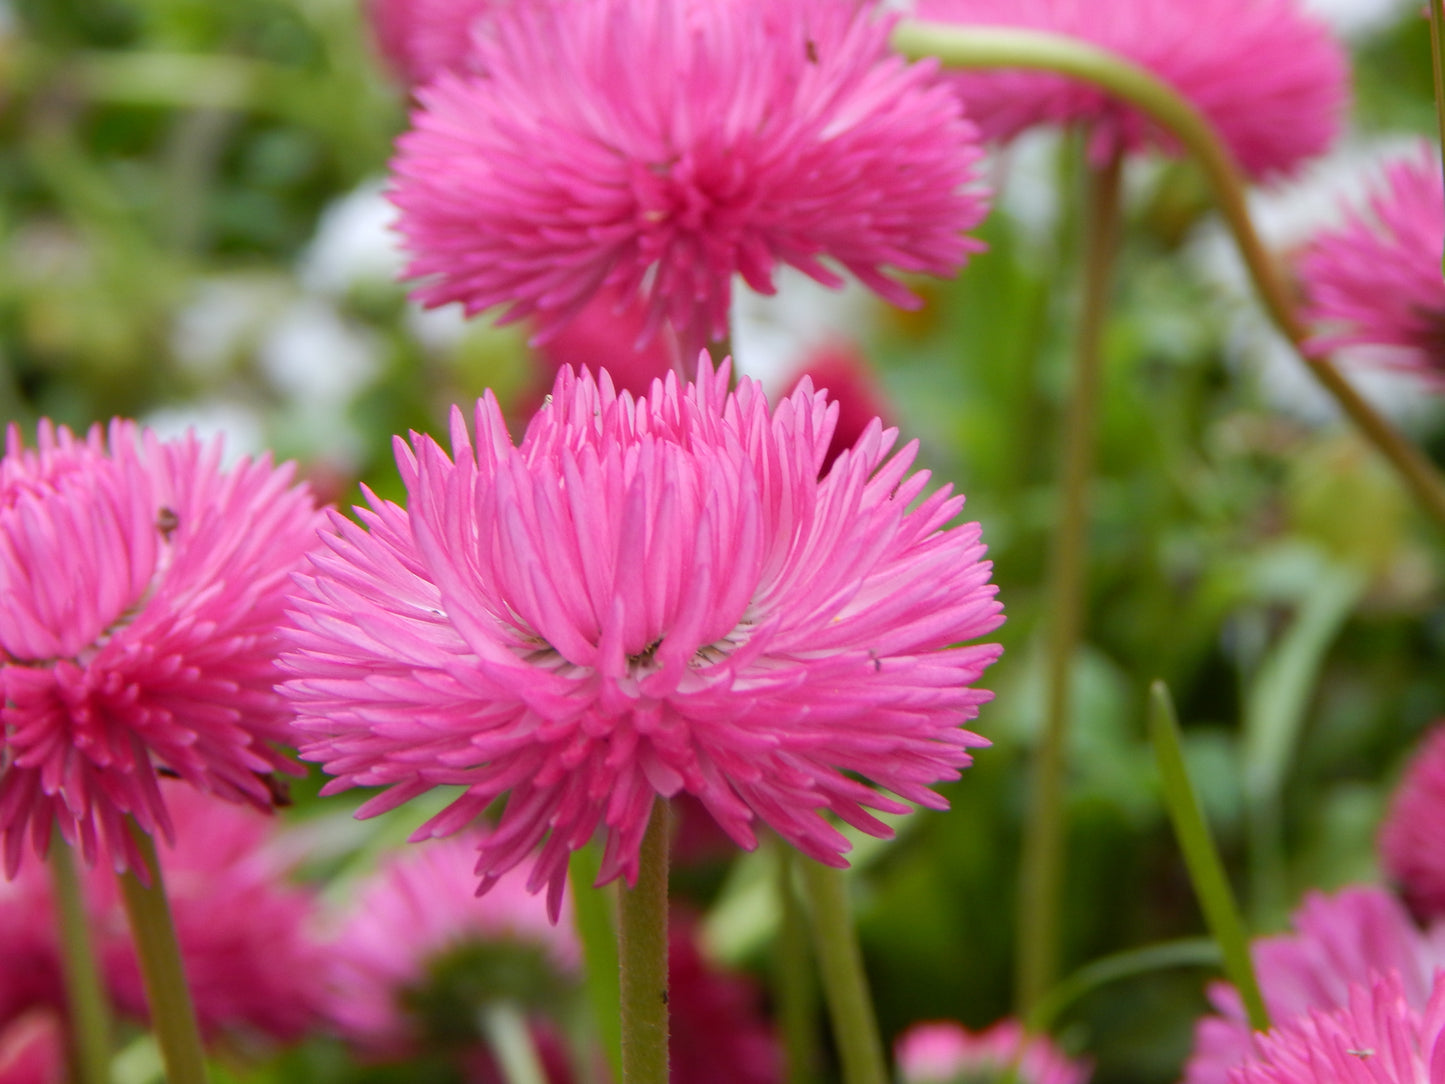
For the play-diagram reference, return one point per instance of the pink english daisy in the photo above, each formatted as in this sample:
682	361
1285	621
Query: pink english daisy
420	38
1272	80
947	1053
1413	839
1351	938
142	584
756	133
1378	1036
647	597
1375	281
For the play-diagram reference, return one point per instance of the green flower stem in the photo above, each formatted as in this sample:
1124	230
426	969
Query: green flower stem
84	991
795	990
1041	872
1206	871
173	1017
511	1042
1437	64
1190	952
597	930
990	47
845	986
642	955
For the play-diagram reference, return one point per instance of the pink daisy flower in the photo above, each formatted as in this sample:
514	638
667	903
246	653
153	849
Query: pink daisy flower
1347	939
1377	1036
1375	281
254	963
1272	80
414	913
32	1050
756	133
1413	839
31	972
947	1053
142	584
647	597
420	38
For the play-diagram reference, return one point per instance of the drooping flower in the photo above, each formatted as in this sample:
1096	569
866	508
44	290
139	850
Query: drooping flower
948	1053
1272	80
143	583
420	38
1411	841
253	958
1351	938
756	134
647	597
1375	281
415	926
1377	1036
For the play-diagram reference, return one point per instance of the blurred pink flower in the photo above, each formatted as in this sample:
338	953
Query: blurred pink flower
32	1049
756	133
647	597
143	583
1271	79
1412	842
420	38
253	959
840	369
31	973
718	1033
1351	938
1375	281
417	909
1378	1035
947	1053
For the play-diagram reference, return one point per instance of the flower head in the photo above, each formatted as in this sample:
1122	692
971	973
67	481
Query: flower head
947	1053
1375	281
1377	1036
1351	938
1410	842
420	38
1272	80
143	583
756	133
647	597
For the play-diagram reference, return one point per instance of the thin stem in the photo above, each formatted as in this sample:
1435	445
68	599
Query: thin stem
642	956
511	1042
1041	873
84	991
797	994
1201	857
597	930
1191	952
173	1016
845	985
990	47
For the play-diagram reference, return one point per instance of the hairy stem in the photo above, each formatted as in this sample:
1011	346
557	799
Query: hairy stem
642	958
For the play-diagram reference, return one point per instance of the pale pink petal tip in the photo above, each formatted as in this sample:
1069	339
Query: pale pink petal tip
647	597
756	134
143	583
1269	77
943	1052
1410	842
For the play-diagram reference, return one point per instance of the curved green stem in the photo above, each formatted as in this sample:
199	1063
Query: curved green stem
510	1039
173	1016
845	985
642	958
991	47
1041	872
84	990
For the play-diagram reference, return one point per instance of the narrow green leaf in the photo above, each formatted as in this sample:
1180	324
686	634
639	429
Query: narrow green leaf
592	907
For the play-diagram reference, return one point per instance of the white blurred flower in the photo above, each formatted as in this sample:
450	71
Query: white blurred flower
771	336
241	427
354	244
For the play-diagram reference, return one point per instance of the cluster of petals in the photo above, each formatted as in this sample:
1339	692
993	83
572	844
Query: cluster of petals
756	133
414	910
1341	941
143	583
1272	80
420	38
1378	1035
943	1052
1375	280
647	597
1411	845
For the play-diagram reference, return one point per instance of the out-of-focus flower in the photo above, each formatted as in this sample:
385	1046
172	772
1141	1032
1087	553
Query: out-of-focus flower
718	1032
1272	80
840	370
252	956
757	134
31	974
647	597
1375	281
143	586
420	38
1351	938
1412	842
947	1053
32	1049
1378	1035
416	944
